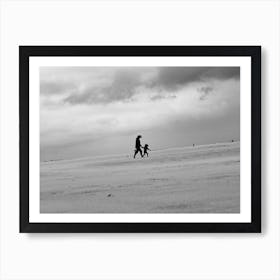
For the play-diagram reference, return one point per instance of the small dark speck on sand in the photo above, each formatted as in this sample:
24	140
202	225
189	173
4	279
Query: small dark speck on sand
109	195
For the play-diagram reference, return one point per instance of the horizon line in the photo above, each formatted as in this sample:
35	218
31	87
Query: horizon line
155	150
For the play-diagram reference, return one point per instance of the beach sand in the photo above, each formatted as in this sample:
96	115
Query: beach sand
200	179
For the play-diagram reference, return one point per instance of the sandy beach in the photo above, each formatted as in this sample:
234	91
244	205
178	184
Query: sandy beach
200	179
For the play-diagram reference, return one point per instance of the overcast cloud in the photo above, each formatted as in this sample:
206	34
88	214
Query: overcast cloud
89	111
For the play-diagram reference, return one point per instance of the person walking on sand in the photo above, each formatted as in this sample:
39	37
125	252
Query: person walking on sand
146	148
138	146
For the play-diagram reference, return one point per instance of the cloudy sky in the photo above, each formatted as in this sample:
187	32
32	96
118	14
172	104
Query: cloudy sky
88	111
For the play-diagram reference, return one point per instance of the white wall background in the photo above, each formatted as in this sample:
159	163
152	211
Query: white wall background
139	256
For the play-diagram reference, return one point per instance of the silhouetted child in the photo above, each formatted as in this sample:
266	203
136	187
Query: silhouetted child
146	148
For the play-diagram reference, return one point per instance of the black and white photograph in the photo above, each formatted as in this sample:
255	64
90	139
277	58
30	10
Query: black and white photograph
139	139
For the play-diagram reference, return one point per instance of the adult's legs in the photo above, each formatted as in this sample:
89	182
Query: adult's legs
136	152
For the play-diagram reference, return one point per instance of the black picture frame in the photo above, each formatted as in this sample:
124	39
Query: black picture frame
25	52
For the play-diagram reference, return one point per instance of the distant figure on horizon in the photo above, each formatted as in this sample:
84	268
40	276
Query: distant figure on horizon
146	148
138	146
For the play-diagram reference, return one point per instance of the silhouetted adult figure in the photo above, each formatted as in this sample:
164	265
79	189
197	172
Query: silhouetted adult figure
138	146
